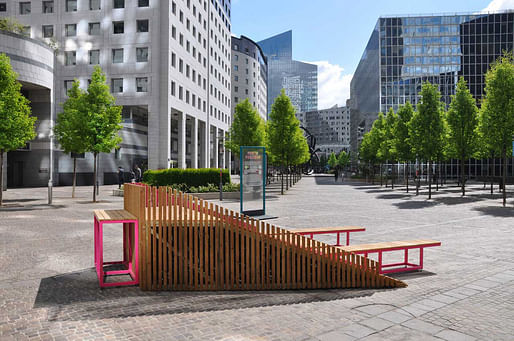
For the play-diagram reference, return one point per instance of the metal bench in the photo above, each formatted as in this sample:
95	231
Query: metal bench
404	245
328	230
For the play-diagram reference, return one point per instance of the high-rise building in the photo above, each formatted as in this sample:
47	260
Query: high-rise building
404	52
300	80
330	127
168	65
249	75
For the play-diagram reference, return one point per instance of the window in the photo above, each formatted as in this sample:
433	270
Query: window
94	28
142	84
142	25
94	57
94	5
236	57
236	78
117	55
236	68
48	7
118	27
70	58
3	7
180	92
173	59
119	4
174	8
143	3
70	30
71	5
26	31
67	86
117	85
236	89
172	88
24	7
174	32
48	31
180	65
142	54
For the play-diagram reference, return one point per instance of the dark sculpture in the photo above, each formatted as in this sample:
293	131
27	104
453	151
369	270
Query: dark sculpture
314	159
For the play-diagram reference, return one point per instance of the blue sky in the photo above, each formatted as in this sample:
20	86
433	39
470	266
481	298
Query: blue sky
333	33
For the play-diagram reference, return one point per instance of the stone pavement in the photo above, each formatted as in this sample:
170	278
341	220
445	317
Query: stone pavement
48	289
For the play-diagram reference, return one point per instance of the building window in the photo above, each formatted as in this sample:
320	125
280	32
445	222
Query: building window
236	99
48	7
70	30
142	54
71	5
70	58
48	31
25	31
119	4
142	25
172	88
143	3
67	86
236	89
94	5
117	56
236	68
180	90
118	27
94	57
174	8
24	7
3	7
94	28
142	84
174	32
117	85
173	59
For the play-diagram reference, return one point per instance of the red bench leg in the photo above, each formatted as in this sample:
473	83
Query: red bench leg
420	258
406	257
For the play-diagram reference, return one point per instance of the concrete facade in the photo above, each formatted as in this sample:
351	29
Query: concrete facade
249	75
168	65
331	127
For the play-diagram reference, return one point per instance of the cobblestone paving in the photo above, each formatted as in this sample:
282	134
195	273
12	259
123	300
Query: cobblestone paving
49	291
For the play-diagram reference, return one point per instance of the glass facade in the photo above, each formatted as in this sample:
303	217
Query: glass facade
300	80
404	52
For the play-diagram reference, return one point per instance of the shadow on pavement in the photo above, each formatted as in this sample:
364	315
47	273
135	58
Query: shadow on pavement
77	296
31	207
403	276
409	205
496	211
456	200
393	196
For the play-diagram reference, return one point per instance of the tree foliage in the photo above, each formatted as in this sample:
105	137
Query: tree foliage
16	122
247	128
11	25
401	136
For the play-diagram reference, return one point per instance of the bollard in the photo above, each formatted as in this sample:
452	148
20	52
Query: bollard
221	185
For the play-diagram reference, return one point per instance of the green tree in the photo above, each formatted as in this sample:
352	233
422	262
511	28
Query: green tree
332	160
462	121
101	121
487	147
368	150
498	105
285	142
426	128
17	124
11	25
387	149
343	160
69	127
247	128
379	131
401	141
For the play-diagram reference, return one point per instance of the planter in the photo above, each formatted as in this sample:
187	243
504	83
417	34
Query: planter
204	196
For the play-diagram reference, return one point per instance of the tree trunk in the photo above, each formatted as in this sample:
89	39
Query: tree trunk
392	176
74	177
287	178
372	174
282	181
429	179
94	177
1	176
418	179
491	172
504	176
381	181
407	177
436	178
462	183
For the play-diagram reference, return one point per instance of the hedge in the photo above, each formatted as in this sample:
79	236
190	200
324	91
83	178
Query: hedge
188	177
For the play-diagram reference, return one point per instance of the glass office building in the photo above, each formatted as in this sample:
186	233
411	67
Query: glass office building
300	80
404	52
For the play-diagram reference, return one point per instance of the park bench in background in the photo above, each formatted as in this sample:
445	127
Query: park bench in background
405	245
311	231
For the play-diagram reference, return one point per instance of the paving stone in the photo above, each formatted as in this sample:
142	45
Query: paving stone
335	336
422	326
452	335
357	330
375	309
395	316
377	323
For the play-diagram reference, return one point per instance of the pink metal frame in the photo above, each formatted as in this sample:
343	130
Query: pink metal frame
399	267
130	251
311	234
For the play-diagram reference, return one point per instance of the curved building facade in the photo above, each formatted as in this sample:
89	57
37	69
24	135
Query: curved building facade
34	62
249	75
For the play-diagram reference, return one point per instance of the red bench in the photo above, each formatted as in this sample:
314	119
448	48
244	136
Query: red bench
327	230
405	246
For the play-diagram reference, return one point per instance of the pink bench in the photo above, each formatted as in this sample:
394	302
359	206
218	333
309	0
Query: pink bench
328	230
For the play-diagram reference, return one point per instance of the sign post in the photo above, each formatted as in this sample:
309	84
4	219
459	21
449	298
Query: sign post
253	180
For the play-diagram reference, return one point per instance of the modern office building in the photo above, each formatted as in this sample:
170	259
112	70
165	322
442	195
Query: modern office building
331	127
249	75
300	80
404	52
168	65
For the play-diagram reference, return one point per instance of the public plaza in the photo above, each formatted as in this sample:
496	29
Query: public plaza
49	289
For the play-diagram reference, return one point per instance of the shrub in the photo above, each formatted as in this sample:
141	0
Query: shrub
185	177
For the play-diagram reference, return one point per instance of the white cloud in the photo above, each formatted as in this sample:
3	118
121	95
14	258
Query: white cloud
333	85
499	5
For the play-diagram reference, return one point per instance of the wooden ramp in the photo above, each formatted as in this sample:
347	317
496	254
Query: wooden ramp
186	243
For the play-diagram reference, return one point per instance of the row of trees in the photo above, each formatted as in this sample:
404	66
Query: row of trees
339	162
285	143
432	134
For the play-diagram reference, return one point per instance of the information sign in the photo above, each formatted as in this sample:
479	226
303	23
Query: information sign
253	180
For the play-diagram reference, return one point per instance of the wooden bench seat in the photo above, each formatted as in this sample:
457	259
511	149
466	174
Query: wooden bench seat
311	231
113	215
404	245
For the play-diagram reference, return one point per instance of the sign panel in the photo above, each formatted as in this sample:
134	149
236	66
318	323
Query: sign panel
253	180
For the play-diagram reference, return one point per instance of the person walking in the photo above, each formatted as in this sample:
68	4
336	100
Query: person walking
139	176
120	176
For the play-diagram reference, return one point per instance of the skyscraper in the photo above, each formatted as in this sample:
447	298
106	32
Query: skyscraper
404	52
300	80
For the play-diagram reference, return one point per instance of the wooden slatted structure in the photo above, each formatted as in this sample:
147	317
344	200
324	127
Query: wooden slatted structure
187	243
